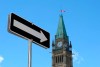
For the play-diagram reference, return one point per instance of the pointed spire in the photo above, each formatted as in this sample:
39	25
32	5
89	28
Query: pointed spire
70	45
61	31
53	44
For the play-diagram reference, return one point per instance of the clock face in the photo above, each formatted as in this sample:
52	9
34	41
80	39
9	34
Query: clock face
59	44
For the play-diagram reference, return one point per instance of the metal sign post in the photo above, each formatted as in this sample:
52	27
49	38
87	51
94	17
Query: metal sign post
30	53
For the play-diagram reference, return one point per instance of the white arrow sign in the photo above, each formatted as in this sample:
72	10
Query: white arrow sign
31	31
27	30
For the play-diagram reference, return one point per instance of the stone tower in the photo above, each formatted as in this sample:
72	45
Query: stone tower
61	47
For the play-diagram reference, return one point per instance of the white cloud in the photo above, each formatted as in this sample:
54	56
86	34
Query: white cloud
77	58
1	59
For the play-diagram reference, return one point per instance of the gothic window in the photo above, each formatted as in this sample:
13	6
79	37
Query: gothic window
60	58
56	59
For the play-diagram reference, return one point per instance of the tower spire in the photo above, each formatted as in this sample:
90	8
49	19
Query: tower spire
61	48
61	30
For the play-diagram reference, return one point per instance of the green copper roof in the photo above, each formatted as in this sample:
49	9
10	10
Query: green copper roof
61	31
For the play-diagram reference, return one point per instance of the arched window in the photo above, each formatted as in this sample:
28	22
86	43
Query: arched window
60	58
56	59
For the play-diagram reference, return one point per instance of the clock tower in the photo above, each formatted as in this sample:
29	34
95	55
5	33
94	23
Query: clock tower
61	47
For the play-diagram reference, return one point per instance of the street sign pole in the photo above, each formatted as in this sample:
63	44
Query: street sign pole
30	53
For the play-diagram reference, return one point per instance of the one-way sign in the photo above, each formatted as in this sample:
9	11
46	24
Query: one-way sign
27	30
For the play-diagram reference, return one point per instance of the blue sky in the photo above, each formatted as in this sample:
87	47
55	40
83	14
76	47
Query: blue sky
82	21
